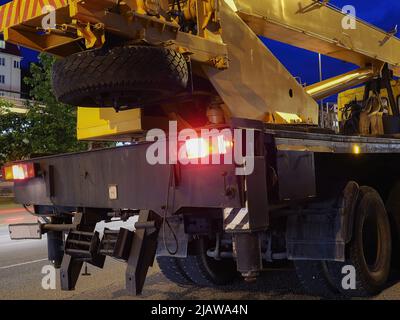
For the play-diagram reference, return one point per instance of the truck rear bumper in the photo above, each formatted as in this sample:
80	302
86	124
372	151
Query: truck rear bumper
122	178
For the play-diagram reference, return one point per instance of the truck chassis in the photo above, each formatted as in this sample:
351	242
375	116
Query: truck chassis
299	204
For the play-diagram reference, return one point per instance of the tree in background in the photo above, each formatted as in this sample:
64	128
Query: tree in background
49	127
13	132
52	125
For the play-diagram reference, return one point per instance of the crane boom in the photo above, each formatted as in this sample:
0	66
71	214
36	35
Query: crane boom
317	26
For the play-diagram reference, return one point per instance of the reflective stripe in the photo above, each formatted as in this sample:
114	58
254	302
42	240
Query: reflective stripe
19	11
236	219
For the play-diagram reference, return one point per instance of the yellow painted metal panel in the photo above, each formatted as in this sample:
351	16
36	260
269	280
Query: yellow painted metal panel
96	123
256	83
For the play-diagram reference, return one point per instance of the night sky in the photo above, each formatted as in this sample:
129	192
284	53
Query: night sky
382	13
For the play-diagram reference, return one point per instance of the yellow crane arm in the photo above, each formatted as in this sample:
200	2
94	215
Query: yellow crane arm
319	27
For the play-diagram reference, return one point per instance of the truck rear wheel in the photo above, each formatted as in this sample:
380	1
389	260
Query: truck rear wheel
315	279
369	252
120	77
208	272
171	268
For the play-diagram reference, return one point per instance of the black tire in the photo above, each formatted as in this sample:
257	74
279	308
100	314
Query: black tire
370	256
315	279
208	272
132	76
172	270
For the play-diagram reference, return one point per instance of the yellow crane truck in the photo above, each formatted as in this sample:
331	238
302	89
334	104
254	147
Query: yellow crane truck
326	201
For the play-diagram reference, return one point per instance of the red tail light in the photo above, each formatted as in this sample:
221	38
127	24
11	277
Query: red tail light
197	148
19	171
201	147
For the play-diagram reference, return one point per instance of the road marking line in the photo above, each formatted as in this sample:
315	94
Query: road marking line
22	264
16	243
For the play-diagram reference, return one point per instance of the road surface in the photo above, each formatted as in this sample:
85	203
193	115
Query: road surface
21	264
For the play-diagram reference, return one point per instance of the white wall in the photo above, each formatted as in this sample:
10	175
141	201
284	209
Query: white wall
12	75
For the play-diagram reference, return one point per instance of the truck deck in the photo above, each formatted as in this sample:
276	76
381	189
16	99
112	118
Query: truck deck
334	143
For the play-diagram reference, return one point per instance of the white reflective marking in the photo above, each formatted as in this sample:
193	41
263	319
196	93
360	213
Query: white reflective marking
227	212
239	217
246	226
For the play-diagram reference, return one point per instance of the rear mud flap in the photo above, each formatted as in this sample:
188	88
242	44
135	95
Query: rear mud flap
316	236
172	239
322	233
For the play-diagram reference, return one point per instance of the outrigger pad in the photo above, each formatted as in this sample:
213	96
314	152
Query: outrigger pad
81	246
143	251
70	271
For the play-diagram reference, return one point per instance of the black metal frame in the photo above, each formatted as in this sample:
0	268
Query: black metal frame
139	184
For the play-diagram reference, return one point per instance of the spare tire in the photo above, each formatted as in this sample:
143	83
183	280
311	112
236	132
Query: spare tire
120	77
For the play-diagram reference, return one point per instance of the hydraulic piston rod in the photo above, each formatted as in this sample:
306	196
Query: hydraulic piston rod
337	84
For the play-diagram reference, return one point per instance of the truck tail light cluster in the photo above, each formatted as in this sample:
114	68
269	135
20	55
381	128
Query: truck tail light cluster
20	171
200	147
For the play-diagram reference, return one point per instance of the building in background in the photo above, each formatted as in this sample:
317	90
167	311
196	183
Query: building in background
10	74
10	70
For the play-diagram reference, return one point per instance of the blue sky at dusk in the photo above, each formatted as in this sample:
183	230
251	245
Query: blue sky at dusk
384	14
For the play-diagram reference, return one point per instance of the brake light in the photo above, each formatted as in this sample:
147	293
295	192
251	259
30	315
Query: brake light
197	148
19	171
200	147
224	145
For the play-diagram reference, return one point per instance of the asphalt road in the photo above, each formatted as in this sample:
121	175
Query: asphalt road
21	264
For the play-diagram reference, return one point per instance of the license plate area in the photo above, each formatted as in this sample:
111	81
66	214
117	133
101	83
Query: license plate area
25	231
